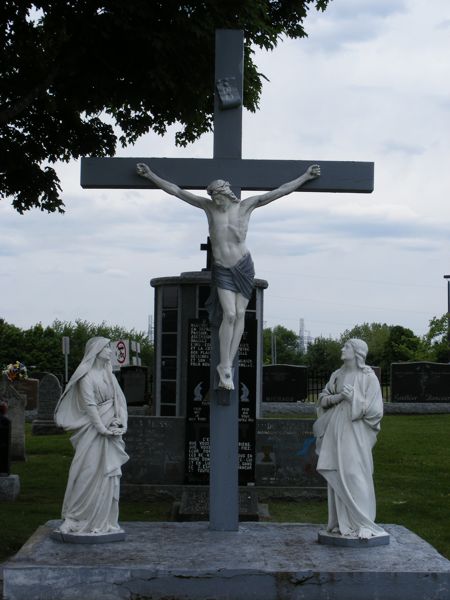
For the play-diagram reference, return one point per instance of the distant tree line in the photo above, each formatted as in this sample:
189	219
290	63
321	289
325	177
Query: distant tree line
40	348
387	344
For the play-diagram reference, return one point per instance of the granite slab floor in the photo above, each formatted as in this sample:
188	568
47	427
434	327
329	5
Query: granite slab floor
261	561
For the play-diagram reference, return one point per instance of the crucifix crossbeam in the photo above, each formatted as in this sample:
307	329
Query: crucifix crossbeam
254	175
257	175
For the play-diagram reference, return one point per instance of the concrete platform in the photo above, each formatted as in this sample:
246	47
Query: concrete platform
262	561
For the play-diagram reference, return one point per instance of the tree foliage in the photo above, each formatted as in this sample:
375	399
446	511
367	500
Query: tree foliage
287	346
437	339
79	76
40	348
323	356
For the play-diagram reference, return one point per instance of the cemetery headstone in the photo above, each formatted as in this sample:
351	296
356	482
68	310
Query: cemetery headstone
285	383
420	382
16	413
30	388
49	393
5	442
133	381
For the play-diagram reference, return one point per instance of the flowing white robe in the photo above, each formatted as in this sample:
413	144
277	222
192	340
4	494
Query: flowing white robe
91	501
345	435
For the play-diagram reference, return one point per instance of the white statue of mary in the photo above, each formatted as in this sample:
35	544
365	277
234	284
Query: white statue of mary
94	405
350	409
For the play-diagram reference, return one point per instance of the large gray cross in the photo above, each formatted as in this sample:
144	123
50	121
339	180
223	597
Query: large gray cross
227	163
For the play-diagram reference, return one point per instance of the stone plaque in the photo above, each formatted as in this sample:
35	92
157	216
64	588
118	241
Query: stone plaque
420	382
155	446
285	453
285	383
197	404
194	505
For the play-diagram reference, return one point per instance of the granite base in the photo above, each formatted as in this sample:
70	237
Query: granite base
261	561
45	427
87	538
333	539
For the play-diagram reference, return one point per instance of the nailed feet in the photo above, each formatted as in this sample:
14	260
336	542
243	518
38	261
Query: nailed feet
225	377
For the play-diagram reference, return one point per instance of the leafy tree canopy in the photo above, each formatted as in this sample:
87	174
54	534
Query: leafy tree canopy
437	339
79	76
285	342
40	349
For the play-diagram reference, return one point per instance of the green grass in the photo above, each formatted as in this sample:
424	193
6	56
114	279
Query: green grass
412	479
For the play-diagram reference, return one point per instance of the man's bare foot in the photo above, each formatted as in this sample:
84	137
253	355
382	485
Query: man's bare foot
225	377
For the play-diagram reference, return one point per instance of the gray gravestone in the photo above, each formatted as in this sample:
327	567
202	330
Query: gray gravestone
16	413
420	382
30	388
285	383
49	393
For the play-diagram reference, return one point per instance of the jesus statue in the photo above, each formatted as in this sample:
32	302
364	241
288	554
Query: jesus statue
232	272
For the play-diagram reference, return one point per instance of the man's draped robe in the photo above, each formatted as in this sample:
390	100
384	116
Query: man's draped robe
345	435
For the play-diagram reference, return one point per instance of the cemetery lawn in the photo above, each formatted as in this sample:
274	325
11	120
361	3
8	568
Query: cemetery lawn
412	479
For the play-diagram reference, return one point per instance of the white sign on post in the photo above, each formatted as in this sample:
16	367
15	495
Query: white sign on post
121	354
66	352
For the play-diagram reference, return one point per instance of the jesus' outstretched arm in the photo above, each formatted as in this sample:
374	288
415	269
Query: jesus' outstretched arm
171	188
256	201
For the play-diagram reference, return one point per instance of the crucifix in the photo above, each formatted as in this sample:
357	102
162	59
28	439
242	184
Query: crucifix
176	176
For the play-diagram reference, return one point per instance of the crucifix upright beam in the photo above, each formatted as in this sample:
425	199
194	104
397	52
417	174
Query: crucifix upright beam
227	163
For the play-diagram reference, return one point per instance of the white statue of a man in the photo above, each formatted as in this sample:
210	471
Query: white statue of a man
233	270
349	411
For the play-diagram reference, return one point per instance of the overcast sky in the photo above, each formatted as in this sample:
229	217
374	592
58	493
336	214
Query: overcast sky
370	83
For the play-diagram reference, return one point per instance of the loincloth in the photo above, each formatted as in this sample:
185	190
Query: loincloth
239	278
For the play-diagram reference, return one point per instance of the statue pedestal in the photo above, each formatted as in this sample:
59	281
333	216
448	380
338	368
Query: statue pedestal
268	561
332	539
88	538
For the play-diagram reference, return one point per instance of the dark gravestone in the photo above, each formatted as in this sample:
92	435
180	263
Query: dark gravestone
285	383
5	443
49	393
16	413
285	453
420	382
197	406
133	381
